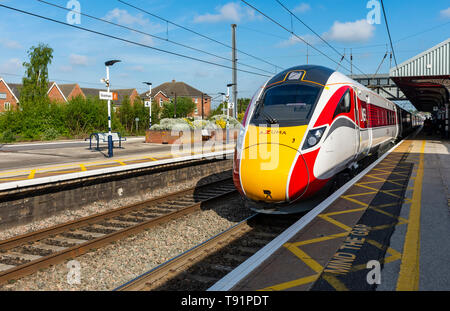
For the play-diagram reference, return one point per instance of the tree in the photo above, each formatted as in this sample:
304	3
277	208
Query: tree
185	106
219	110
126	114
35	83
243	104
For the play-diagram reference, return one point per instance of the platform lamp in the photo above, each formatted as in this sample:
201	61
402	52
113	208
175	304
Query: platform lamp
228	110
149	95
107	82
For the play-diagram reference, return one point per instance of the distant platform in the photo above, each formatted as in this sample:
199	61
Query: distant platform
37	163
393	219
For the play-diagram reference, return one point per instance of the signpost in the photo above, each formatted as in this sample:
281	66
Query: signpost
109	96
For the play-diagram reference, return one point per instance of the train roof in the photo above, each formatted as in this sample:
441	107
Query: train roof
312	73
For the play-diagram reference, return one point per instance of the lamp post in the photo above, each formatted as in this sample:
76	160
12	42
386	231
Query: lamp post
149	94
107	82
228	110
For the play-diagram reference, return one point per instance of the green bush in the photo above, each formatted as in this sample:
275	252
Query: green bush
7	137
50	134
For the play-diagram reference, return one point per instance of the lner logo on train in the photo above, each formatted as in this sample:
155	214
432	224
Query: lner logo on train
303	127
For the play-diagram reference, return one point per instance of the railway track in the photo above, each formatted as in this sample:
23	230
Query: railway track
205	264
25	254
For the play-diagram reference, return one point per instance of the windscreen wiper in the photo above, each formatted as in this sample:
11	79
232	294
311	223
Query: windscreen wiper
267	116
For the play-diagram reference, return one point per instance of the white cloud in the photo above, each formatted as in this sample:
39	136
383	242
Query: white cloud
123	17
78	60
232	12
445	13
311	39
10	44
302	8
137	68
357	31
13	65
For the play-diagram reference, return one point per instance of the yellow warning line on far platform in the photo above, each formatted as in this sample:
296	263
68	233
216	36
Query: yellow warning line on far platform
24	174
408	279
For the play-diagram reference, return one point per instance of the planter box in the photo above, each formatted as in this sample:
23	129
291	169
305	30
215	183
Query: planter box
221	135
167	137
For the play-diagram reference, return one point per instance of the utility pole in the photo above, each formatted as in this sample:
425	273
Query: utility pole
351	63
203	102
307	51
234	80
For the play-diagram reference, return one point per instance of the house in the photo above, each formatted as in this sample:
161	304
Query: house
8	98
132	94
169	91
71	91
55	94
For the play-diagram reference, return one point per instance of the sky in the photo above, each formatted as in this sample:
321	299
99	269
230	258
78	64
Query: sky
79	56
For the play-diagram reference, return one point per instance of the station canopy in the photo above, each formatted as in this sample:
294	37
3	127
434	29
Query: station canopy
425	78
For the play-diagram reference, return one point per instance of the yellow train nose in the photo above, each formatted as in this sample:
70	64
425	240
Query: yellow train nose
266	162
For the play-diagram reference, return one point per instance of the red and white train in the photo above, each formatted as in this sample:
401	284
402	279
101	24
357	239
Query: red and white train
303	127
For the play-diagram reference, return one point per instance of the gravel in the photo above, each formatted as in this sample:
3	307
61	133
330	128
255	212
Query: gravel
123	260
101	206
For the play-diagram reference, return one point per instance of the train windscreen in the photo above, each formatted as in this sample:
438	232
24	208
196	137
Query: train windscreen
286	105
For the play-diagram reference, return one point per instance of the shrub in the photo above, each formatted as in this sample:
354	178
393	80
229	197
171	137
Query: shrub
50	134
7	136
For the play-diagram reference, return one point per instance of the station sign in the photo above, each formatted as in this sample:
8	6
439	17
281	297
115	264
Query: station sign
230	105
109	96
148	104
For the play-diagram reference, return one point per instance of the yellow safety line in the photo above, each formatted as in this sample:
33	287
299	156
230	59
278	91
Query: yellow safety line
334	282
83	168
290	284
309	261
32	173
336	223
321	239
408	278
97	163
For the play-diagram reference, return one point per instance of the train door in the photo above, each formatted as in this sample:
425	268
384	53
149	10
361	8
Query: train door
369	123
358	123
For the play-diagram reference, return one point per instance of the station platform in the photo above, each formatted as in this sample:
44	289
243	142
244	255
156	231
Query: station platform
48	161
387	230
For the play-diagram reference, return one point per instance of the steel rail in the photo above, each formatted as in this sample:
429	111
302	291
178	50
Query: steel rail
77	250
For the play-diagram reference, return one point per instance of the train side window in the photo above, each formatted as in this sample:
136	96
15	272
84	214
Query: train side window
344	105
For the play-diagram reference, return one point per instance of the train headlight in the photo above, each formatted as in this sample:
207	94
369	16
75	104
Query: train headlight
314	137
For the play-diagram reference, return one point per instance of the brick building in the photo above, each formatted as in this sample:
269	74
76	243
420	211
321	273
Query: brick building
55	94
71	90
169	91
8	99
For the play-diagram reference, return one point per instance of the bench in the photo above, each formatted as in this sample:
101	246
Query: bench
116	137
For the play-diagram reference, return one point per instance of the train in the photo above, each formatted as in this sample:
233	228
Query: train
302	128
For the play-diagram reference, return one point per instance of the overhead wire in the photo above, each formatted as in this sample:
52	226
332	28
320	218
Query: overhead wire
389	33
128	41
197	33
290	31
319	36
150	35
